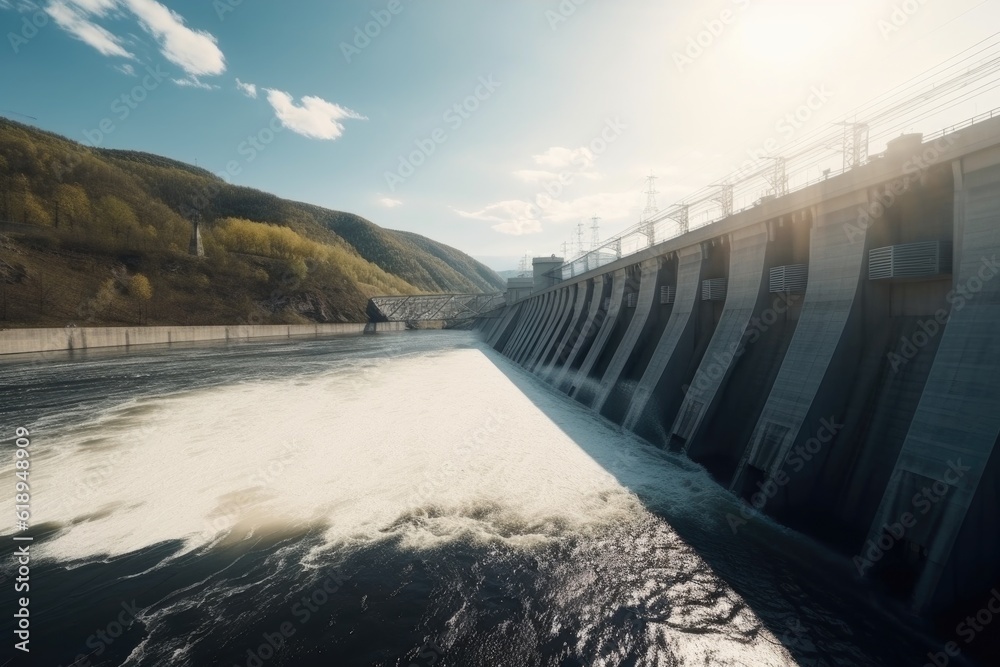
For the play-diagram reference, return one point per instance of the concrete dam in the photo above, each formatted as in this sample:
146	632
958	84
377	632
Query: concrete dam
831	356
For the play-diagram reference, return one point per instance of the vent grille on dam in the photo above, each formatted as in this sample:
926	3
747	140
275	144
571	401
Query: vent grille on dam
789	278
910	260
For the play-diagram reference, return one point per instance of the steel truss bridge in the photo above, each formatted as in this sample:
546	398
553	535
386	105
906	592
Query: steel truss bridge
432	307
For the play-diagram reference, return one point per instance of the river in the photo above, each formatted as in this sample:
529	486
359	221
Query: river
398	499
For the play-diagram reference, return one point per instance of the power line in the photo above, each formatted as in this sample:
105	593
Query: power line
944	85
17	114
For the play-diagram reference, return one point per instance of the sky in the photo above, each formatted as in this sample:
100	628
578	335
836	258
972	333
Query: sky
495	126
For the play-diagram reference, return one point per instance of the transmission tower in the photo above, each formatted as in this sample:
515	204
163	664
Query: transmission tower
525	266
579	237
725	198
595	232
647	227
855	144
565	249
778	178
680	215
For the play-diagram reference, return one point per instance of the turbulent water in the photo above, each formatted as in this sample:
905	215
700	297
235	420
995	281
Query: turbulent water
391	500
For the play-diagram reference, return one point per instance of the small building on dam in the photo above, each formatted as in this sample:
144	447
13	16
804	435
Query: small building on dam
831	355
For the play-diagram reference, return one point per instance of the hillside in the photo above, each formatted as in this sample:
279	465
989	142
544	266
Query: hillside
98	236
429	265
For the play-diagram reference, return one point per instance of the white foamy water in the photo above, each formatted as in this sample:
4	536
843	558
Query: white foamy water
435	446
430	448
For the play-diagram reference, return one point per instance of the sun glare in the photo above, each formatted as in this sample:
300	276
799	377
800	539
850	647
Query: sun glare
786	39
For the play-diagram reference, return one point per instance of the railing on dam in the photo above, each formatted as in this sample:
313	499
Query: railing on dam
432	307
716	203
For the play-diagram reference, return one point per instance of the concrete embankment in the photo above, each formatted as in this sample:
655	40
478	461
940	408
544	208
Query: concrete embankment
829	355
20	341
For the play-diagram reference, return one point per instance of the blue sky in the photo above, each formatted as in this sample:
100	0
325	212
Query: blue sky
458	118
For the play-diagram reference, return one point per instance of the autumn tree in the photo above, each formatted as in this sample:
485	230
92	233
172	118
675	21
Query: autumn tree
5	213
26	207
72	204
142	291
34	212
117	216
92	309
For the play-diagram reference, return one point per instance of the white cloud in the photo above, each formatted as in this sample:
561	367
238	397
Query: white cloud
389	202
193	82
518	217
551	205
69	15
608	205
248	89
535	175
22	5
519	227
126	69
194	51
558	158
99	7
513	217
499	211
560	164
315	118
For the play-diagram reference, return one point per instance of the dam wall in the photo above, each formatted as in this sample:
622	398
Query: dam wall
21	341
831	356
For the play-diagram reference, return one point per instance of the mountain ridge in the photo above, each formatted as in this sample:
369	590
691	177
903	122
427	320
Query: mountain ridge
123	213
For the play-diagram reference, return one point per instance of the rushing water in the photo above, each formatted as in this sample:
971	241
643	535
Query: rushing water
392	500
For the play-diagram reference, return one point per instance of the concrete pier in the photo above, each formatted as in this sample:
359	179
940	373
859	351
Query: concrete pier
649	271
747	294
795	408
569	306
830	355
953	437
581	340
608	324
675	342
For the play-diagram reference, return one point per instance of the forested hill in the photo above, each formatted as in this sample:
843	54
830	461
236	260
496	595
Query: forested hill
78	225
